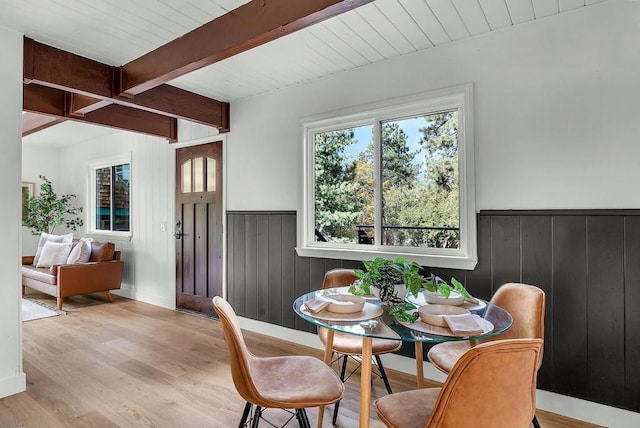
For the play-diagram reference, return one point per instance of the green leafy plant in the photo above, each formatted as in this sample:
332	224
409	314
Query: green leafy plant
405	312
47	210
385	275
435	283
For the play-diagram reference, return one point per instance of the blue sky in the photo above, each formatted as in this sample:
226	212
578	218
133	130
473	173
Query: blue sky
410	126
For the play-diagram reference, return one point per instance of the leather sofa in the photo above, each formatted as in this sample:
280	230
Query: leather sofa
103	272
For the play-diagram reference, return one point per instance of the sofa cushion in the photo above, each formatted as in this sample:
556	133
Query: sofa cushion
81	251
39	274
102	251
54	253
45	237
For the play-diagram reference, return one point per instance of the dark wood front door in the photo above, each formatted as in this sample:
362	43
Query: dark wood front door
198	228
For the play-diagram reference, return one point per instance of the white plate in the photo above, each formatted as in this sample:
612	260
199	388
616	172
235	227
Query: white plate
369	311
344	303
434	314
419	301
433	297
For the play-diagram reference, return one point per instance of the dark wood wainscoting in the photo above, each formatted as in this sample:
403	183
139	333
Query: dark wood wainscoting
587	262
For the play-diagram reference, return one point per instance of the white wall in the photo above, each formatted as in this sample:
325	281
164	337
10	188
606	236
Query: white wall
12	379
556	105
38	161
149	255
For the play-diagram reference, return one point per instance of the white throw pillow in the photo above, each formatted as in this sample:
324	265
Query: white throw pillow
45	237
54	253
80	252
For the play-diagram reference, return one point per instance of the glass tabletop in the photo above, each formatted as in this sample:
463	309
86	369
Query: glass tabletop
375	321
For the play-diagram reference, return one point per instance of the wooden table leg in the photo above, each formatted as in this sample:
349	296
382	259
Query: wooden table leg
327	360
419	361
365	382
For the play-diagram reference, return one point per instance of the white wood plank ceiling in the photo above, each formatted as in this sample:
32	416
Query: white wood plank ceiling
118	31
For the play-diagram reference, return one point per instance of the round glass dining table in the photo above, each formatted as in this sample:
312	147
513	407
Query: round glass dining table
375	322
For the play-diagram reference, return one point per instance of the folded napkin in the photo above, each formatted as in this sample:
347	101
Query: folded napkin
317	304
463	324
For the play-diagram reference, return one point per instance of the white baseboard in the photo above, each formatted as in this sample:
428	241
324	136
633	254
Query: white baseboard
556	403
153	299
13	385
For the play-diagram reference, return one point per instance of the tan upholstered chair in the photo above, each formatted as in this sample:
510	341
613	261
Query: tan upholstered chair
491	385
288	382
351	345
525	303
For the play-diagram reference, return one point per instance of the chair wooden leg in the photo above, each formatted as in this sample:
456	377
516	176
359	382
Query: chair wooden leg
328	351
365	381
245	415
383	374
24	290
109	298
59	303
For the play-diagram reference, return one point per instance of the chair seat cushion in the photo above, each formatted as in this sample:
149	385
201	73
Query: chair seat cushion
294	382
444	355
351	344
409	409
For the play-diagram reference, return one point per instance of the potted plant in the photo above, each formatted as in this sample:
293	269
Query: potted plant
47	210
388	279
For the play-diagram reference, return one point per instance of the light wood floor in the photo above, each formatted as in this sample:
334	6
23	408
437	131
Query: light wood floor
130	364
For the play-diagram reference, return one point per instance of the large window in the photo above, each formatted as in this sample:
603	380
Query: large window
394	180
111	196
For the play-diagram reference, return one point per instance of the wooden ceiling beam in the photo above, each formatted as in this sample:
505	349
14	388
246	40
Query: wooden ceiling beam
55	103
32	122
78	105
92	84
252	24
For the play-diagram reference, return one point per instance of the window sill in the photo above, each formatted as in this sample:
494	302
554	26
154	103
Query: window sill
112	236
430	260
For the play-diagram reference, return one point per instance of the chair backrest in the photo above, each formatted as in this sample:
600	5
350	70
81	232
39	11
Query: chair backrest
239	355
526	304
491	385
339	278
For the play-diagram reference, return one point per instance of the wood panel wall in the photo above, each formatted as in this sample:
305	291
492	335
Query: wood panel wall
587	262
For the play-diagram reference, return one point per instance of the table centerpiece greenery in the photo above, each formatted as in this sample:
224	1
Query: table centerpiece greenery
393	279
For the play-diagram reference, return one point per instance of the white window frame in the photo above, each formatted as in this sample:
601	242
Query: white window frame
94	165
460	98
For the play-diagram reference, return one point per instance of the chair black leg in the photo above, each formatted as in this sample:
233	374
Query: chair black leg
256	417
383	374
535	422
306	419
245	415
303	421
343	370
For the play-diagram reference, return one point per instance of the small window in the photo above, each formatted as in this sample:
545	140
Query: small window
195	179
111	197
392	181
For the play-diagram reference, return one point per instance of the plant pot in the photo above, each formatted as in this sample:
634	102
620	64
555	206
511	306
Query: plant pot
399	292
